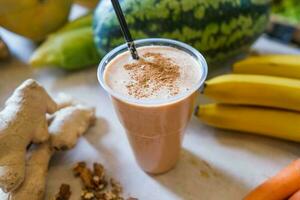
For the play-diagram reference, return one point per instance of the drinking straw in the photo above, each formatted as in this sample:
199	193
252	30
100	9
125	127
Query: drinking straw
125	30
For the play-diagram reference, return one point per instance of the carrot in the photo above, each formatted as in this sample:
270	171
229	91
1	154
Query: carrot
295	196
279	187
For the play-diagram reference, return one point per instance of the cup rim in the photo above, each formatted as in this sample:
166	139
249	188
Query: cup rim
155	42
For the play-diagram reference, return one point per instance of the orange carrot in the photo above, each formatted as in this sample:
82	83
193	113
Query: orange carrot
295	196
279	187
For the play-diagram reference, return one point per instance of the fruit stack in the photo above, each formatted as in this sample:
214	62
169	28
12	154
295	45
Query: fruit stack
261	96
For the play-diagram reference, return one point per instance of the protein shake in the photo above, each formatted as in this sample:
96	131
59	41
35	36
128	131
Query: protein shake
154	97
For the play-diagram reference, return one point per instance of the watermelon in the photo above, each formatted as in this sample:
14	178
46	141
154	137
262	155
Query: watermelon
219	29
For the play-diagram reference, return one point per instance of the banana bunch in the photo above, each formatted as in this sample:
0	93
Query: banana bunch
262	96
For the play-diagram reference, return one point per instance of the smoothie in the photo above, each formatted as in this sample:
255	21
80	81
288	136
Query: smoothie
154	130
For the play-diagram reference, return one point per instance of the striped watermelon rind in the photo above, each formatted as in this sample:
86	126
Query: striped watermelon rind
217	28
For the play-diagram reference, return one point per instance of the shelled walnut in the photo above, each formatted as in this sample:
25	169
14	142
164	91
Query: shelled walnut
4	52
64	192
95	185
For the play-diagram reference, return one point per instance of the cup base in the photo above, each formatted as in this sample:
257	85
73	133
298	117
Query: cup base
156	155
161	171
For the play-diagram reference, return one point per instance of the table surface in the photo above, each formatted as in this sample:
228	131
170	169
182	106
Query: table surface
214	164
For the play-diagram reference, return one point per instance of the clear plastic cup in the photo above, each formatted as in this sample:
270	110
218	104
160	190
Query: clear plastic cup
155	128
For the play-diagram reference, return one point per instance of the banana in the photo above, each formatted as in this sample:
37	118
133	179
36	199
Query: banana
265	121
274	65
258	90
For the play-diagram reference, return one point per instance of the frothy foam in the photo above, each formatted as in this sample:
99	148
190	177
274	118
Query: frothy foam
162	72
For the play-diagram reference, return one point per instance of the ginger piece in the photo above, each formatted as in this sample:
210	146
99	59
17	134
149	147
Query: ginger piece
36	172
34	184
65	124
64	100
60	132
22	121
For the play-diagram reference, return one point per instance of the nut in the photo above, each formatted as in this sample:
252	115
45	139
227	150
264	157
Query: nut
95	184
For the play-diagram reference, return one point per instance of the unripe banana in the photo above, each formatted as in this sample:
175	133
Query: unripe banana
255	90
273	65
265	121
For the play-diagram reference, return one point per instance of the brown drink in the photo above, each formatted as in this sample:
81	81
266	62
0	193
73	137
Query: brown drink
154	100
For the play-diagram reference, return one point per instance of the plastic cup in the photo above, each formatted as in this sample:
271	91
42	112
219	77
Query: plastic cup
155	128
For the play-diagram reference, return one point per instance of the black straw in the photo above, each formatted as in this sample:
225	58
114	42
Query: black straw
124	28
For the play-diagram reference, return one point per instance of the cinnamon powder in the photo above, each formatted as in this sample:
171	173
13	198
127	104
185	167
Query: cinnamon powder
151	73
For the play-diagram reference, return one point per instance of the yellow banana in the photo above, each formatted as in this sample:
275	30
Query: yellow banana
255	90
265	121
274	65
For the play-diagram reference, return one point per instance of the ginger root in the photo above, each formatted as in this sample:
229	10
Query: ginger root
64	100
64	135
33	186
67	125
22	121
